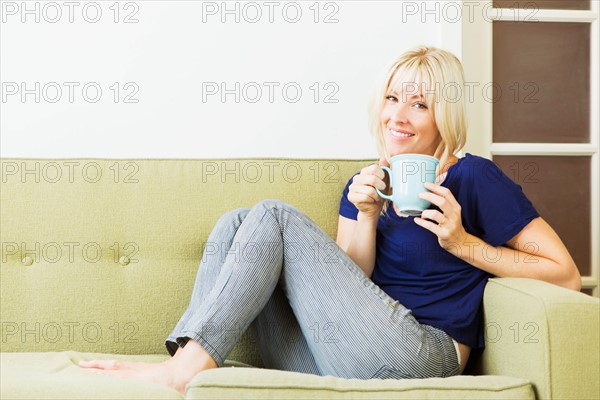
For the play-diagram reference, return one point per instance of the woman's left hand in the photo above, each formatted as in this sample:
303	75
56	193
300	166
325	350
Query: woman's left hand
449	228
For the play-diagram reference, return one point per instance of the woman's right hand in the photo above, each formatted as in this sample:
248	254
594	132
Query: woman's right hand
361	191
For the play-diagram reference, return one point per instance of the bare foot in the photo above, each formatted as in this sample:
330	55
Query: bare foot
175	373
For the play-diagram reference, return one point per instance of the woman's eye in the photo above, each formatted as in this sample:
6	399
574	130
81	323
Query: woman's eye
391	98
422	106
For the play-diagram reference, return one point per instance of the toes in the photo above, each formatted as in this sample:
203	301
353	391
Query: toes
101	364
97	371
114	364
120	373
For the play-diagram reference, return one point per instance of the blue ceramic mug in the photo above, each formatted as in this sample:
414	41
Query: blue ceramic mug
408	174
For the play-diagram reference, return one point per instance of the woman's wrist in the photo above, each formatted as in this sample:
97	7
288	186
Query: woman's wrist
466	248
367	219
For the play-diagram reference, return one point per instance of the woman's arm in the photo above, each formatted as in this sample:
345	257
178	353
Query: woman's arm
536	252
357	239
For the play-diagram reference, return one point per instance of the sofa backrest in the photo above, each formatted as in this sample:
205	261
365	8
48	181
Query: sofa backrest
100	255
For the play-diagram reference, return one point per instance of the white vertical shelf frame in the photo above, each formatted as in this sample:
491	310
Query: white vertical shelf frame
476	53
476	56
595	142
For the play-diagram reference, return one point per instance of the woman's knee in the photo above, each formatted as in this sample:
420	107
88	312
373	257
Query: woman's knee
235	216
273	203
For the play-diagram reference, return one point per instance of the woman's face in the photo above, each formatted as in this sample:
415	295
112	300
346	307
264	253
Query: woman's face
407	123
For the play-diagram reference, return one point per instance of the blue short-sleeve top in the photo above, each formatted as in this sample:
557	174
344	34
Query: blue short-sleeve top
439	288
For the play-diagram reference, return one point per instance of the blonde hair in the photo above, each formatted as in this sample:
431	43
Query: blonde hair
439	76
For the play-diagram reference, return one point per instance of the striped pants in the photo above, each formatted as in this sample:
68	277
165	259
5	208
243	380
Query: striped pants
314	310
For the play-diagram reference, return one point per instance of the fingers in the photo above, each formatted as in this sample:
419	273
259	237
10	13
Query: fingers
447	224
364	184
373	169
438	189
369	180
434	228
372	175
443	192
363	194
441	197
436	199
433	215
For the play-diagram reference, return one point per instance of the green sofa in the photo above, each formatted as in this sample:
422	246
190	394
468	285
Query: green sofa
99	257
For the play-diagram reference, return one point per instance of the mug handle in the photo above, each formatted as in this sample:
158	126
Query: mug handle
385	196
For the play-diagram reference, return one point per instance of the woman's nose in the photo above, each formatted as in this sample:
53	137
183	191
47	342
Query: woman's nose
399	114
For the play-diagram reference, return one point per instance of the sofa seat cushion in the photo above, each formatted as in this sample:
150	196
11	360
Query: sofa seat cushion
55	375
257	383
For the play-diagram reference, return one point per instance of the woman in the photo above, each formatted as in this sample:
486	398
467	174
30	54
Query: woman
394	296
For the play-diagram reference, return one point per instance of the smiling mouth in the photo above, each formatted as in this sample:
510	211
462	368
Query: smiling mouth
400	134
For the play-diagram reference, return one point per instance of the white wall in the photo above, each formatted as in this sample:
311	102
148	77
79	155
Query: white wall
169	58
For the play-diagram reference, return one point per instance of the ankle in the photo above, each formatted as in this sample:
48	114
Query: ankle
193	357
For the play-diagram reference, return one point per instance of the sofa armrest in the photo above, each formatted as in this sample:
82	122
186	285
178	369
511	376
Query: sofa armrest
544	333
